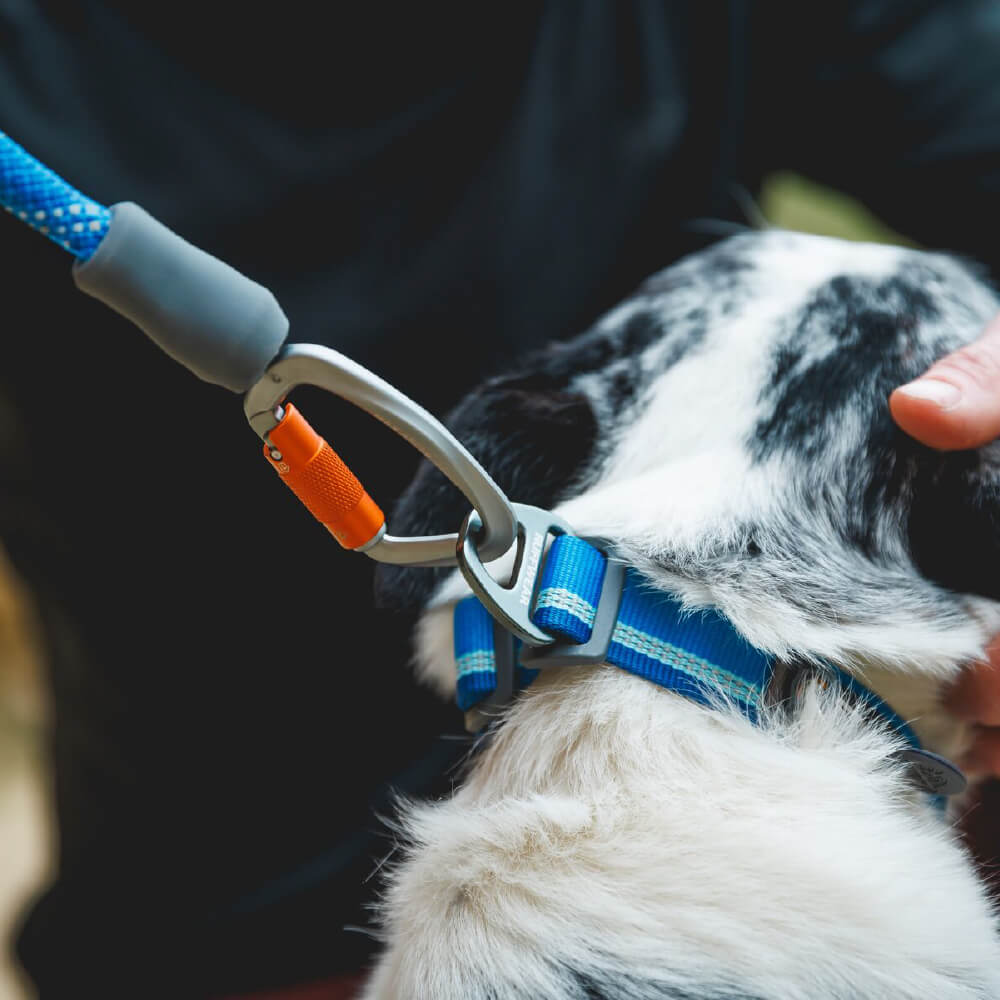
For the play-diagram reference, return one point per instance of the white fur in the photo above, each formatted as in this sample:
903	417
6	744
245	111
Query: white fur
620	832
614	819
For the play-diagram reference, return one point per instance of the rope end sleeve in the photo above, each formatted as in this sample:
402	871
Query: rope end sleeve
203	313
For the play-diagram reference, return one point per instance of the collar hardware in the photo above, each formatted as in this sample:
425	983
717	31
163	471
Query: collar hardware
510	603
932	773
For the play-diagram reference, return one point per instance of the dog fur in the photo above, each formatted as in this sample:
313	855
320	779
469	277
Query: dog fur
727	428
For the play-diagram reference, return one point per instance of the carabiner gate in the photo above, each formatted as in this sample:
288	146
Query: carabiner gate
324	483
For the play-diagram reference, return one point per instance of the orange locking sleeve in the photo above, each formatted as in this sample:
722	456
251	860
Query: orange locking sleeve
317	475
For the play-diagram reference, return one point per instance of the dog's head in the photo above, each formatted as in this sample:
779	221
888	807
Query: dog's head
728	427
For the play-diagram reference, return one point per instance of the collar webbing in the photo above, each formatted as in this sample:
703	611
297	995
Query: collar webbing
699	655
694	653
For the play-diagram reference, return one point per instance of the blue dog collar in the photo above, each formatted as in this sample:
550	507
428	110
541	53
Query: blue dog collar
599	611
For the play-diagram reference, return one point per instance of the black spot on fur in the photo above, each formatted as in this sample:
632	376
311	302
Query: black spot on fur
622	387
534	437
591	353
726	264
640	330
850	346
839	356
598	349
680	344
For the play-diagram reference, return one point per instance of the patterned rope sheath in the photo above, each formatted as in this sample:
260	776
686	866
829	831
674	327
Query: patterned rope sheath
221	325
42	199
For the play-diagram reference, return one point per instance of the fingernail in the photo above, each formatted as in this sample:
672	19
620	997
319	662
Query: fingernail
944	394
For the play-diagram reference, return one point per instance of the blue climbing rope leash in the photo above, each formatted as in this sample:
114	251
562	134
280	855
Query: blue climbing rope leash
41	198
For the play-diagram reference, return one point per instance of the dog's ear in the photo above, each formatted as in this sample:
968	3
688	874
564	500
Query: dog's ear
954	524
531	433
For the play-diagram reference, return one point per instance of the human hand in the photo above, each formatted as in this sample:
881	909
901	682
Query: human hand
955	405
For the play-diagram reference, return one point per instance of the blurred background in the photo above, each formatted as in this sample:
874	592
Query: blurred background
26	837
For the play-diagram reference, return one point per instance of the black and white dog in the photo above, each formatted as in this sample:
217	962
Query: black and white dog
727	428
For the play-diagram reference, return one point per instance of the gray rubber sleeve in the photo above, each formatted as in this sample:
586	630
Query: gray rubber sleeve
205	314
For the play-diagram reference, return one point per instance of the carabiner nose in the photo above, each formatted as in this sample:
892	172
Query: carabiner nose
328	488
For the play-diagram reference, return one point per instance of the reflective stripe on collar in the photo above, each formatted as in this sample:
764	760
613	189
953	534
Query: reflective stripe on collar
694	653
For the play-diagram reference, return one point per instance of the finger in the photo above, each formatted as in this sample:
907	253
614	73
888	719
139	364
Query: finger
983	757
956	403
975	695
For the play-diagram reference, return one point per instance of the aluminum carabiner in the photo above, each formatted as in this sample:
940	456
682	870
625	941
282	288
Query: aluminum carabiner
328	488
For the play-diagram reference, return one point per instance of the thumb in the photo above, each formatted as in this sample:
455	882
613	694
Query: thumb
956	403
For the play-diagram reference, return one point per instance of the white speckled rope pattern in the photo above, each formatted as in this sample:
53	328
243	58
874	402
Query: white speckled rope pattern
42	199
